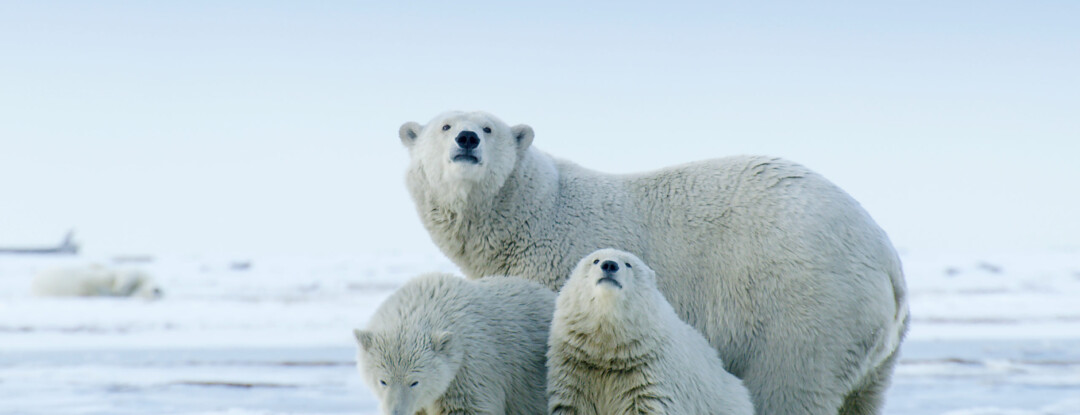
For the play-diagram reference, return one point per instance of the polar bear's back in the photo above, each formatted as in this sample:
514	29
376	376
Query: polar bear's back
743	194
512	303
743	209
448	302
86	281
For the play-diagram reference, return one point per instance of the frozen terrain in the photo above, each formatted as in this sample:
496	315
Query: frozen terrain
993	334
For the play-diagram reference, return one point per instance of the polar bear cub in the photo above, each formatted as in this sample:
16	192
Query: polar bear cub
445	345
617	347
94	281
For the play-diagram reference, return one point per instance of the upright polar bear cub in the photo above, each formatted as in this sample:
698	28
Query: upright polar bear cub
446	345
94	281
784	273
617	347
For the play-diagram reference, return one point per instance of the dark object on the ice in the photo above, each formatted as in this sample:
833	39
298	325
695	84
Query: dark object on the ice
67	247
240	265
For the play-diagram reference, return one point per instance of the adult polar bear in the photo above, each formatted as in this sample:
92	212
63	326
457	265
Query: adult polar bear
784	273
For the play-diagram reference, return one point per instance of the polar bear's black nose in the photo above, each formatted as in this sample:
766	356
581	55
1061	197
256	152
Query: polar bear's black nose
468	140
609	266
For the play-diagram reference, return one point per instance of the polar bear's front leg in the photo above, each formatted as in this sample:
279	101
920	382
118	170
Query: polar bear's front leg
648	405
562	409
460	400
565	396
566	402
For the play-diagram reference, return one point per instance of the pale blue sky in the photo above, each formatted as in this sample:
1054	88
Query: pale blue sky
241	128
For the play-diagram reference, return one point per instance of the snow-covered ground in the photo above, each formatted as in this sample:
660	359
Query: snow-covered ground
994	334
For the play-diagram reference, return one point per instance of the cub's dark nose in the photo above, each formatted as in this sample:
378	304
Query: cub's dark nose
468	140
609	266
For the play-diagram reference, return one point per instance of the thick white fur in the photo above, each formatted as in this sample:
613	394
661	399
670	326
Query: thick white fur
473	347
618	348
93	281
784	273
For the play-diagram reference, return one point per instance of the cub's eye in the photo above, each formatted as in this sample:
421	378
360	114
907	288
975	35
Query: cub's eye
446	127
411	385
628	265
382	382
487	130
596	262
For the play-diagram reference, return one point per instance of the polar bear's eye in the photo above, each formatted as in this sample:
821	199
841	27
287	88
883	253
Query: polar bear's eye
411	385
487	130
628	265
382	382
596	262
446	127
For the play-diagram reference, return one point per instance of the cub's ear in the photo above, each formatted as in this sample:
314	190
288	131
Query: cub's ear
408	133
440	341
363	338
523	134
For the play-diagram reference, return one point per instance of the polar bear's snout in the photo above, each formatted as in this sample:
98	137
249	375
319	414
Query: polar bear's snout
467	142
609	268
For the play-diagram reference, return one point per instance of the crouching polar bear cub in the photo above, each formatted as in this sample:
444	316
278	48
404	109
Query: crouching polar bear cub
784	273
446	345
617	347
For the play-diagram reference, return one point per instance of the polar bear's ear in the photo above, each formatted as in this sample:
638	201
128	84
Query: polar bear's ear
523	134
440	341
408	133
363	338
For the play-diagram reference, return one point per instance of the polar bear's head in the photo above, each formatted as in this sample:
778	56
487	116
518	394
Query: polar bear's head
459	153
611	282
135	283
407	370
